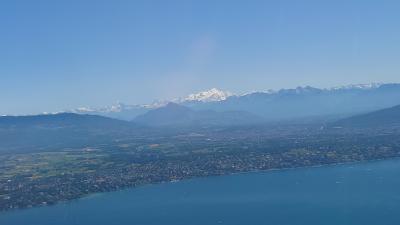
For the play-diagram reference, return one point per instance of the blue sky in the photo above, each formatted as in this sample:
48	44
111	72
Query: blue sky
57	55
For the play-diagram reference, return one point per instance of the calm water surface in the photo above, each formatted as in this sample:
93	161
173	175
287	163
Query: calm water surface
365	193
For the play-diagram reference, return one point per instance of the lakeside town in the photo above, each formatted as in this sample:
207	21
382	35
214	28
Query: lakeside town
51	176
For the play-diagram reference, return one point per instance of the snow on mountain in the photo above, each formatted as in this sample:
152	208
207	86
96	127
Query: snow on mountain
118	111
83	110
216	95
357	86
156	104
309	89
129	112
212	95
116	108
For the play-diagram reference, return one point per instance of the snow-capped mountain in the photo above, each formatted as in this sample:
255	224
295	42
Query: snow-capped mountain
273	104
118	107
212	95
306	102
129	112
358	86
118	110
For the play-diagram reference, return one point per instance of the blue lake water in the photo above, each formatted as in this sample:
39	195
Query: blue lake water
364	193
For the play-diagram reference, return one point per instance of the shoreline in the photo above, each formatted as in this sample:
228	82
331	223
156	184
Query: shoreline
97	194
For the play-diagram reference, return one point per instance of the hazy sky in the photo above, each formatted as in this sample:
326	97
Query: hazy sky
57	55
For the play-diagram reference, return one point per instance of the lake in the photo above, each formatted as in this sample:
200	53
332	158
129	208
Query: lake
363	193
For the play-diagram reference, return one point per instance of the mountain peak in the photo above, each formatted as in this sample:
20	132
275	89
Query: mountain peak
212	95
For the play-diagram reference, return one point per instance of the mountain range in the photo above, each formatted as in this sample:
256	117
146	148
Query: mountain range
129	112
285	104
358	104
220	108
